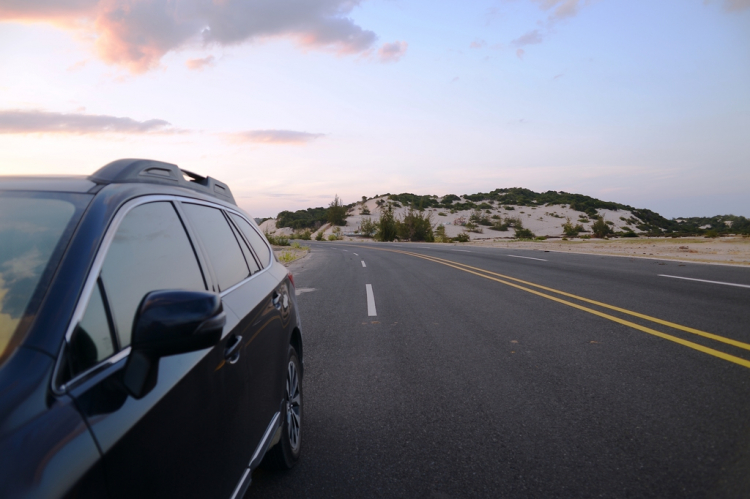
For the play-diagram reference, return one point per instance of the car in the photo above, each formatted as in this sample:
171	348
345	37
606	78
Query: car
150	341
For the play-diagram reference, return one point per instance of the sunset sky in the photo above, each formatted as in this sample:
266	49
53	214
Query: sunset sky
642	102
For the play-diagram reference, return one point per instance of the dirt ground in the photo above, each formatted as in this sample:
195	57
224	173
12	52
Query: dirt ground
725	250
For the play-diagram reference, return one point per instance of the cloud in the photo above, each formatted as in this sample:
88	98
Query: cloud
392	52
137	33
78	66
558	76
561	9
273	137
520	53
736	5
17	121
477	44
531	38
200	64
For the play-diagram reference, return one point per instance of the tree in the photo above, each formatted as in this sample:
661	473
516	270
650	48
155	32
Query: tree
387	226
336	213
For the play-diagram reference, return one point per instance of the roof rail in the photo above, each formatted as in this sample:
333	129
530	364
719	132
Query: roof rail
157	172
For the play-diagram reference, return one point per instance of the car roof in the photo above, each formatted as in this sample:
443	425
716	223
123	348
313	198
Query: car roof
123	171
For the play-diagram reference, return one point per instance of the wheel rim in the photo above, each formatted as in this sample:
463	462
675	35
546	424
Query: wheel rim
293	406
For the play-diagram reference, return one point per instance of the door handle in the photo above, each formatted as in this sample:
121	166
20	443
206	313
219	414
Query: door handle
232	352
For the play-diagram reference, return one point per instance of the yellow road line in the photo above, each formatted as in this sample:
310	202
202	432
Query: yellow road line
483	273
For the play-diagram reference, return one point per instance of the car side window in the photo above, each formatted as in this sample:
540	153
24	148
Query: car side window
150	251
249	257
256	241
220	242
92	340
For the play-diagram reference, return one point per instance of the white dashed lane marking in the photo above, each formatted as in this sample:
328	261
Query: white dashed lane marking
528	258
370	301
703	280
363	263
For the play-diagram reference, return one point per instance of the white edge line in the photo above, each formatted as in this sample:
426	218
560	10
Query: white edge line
528	258
465	251
356	254
371	312
704	280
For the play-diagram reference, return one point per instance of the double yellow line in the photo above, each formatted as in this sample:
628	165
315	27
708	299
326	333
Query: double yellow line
527	286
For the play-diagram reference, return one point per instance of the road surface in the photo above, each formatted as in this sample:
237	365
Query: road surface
438	371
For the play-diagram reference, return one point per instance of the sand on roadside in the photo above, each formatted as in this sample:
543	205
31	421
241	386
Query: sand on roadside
725	250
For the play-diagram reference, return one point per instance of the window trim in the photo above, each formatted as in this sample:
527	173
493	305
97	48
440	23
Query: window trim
96	267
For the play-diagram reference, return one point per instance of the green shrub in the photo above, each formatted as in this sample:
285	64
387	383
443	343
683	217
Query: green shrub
462	238
509	208
441	214
600	228
629	233
571	230
440	235
319	236
333	237
415	226
387	226
287	256
522	233
304	235
367	227
277	240
541	238
711	234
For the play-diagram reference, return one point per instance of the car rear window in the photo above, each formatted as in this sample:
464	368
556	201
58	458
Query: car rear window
34	231
255	240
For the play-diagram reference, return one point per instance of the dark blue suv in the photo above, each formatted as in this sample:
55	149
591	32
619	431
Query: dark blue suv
150	344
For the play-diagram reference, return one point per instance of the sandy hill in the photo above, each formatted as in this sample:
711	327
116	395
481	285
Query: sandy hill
453	212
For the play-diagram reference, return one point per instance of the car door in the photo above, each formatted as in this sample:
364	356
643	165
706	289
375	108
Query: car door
184	438
271	319
258	330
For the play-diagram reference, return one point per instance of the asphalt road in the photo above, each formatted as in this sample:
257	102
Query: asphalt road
468	383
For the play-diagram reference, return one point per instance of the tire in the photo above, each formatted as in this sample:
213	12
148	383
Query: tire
285	454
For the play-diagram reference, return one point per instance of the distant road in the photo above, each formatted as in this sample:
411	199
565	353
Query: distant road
437	371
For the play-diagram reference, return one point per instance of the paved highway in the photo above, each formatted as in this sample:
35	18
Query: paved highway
443	371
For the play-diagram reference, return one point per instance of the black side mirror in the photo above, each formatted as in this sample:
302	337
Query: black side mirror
169	323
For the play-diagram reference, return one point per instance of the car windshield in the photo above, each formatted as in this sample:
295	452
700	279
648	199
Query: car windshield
34	230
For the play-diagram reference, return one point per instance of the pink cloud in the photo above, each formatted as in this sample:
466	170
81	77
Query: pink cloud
136	34
273	137
392	52
531	38
200	64
477	44
736	5
520	53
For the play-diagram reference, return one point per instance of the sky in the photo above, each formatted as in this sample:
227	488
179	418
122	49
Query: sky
291	102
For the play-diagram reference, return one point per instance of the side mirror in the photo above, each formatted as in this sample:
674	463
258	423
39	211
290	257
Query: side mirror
170	323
